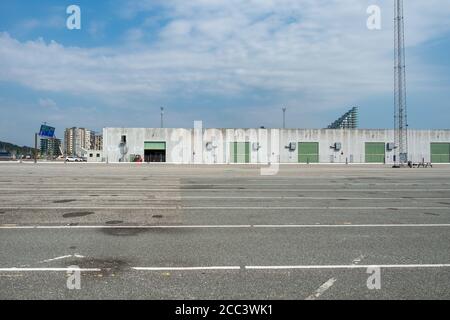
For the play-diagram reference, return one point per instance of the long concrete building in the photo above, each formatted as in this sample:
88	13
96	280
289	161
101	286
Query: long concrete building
262	146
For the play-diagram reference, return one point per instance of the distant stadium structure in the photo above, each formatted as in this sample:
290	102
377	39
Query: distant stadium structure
348	121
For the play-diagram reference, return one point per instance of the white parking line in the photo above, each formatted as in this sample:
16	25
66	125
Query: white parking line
62	257
314	208
299	226
252	268
353	225
49	269
324	287
351	266
184	268
54	259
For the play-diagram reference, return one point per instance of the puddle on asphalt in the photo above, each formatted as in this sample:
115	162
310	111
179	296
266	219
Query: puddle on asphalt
64	201
77	214
123	232
135	231
108	266
114	222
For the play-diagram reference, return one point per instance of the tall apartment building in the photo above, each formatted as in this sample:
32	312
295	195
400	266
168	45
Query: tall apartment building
78	140
50	147
69	141
98	142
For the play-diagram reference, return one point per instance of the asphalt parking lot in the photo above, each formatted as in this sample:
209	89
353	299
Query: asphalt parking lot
156	231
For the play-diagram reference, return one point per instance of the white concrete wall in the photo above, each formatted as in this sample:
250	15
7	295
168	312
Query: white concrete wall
189	145
94	157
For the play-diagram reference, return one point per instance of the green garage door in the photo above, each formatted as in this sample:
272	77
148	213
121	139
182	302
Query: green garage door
152	145
440	152
308	152
240	152
154	151
375	152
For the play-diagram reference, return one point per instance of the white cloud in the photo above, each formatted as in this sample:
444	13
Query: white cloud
47	103
52	22
134	35
315	50
97	29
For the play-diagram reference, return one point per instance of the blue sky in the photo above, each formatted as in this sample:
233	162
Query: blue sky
229	63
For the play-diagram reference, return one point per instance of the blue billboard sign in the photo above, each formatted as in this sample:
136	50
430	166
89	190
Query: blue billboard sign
47	131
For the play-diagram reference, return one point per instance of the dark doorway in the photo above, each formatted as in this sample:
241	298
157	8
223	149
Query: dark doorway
155	155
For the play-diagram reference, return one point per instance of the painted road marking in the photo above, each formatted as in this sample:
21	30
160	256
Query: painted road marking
49	269
312	208
224	268
351	266
225	226
358	260
54	259
184	268
352	225
62	257
321	290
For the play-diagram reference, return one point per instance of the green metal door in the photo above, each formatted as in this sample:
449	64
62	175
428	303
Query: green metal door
440	152
308	152
240	152
375	152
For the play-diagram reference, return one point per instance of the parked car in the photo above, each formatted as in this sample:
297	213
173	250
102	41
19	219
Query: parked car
73	159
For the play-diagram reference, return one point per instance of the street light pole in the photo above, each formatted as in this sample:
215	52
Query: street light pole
284	117
162	117
35	147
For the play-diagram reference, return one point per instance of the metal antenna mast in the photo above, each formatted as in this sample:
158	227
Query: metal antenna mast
400	115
